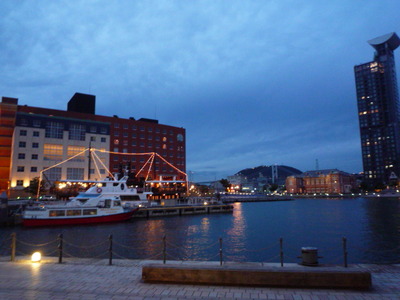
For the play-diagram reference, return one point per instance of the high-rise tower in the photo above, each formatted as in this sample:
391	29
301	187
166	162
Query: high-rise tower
378	111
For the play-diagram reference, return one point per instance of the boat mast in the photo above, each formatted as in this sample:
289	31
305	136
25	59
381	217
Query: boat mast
90	160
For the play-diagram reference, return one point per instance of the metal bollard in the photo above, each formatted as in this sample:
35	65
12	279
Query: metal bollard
164	249
110	238
13	245
281	250
220	251
345	251
60	248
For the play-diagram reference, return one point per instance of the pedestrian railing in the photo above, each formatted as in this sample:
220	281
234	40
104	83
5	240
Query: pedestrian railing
165	250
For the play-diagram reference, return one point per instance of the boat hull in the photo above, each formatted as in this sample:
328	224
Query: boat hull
35	222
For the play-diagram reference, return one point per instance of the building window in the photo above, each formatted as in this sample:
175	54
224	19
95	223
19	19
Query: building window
22	144
75	173
33	169
21	155
133	143
34	156
93	129
75	150
20	183
77	132
36	133
22	132
103	140
54	130
134	127
35	145
24	122
102	171
116	125
20	169
36	123
92	138
53	174
52	152
103	130
125	126
125	134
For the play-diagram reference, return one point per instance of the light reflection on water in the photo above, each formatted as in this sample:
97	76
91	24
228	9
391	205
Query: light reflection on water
250	233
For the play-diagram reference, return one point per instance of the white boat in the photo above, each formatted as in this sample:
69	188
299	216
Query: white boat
108	200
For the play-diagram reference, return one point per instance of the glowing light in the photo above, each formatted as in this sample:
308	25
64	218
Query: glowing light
36	257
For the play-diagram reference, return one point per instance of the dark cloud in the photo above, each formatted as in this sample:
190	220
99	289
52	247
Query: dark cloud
254	83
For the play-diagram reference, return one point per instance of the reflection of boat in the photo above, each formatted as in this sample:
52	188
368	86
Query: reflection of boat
107	201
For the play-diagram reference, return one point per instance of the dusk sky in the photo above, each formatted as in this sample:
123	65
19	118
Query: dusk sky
253	82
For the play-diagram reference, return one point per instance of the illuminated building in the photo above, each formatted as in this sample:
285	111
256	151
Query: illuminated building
34	138
378	110
331	181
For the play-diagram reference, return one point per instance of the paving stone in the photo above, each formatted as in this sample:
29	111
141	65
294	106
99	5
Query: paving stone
96	280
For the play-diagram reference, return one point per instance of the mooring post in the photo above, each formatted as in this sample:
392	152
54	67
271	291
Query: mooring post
164	249
220	251
60	248
13	245
281	250
110	238
345	251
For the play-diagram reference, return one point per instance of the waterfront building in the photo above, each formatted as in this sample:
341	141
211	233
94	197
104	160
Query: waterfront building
330	181
378	110
34	138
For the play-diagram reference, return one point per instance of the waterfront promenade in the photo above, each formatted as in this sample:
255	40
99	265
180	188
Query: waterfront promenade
95	279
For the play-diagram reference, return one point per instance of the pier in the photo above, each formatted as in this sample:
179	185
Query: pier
180	210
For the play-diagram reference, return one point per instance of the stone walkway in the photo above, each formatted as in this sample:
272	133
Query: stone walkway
95	279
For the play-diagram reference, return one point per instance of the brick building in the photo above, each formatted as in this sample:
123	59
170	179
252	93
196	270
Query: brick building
331	181
34	138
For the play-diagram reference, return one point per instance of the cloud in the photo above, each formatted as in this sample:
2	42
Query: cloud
253	83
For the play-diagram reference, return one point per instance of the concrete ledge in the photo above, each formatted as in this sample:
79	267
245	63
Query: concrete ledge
338	278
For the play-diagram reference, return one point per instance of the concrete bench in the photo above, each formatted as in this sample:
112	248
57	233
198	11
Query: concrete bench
319	277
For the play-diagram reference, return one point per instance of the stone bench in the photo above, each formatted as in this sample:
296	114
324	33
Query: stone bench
299	277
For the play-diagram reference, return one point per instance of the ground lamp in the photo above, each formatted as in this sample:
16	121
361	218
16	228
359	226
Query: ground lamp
36	257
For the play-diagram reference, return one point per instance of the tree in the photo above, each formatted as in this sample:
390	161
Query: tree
32	189
273	187
225	183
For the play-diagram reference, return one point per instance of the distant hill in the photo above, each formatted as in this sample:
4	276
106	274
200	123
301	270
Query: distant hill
266	171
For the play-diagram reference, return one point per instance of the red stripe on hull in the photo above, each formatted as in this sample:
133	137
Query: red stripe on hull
79	221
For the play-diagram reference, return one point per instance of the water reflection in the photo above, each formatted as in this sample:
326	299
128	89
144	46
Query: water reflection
235	243
382	234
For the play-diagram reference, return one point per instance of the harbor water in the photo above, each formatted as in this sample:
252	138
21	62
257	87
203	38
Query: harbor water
251	233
